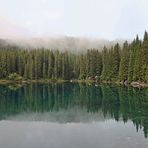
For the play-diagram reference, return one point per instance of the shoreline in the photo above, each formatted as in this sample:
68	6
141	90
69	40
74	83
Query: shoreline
4	81
133	84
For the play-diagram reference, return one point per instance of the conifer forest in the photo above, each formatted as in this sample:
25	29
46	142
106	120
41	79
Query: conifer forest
126	63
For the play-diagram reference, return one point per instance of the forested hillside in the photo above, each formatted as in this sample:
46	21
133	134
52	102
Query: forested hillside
114	64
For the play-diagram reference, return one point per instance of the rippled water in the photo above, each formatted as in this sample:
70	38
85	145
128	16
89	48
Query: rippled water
72	115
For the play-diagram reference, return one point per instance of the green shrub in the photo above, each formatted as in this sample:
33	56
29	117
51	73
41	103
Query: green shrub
15	77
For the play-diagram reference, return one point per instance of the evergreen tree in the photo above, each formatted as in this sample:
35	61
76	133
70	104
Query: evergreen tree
137	73
145	56
132	54
123	69
56	64
116	61
105	61
82	67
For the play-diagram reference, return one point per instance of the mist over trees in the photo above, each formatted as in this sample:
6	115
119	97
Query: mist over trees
62	43
115	63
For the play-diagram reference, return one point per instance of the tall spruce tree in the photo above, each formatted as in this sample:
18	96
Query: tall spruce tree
123	69
137	72
145	57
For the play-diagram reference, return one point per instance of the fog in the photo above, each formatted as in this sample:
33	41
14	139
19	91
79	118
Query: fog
61	43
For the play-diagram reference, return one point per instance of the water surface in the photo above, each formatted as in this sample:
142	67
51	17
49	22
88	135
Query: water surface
72	115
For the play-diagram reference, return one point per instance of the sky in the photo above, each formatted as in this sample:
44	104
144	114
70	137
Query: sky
109	19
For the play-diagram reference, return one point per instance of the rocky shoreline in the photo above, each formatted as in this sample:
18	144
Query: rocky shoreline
133	84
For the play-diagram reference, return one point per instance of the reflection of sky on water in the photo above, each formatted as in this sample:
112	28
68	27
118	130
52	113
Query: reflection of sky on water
108	134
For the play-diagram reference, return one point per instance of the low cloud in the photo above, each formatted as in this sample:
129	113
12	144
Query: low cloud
64	43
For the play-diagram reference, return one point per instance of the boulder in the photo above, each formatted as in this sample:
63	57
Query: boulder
125	82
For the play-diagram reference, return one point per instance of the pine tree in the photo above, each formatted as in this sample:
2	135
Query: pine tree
30	68
35	66
63	66
26	72
82	67
105	62
56	64
44	71
138	61
3	65
116	61
123	69
145	56
98	59
88	62
131	61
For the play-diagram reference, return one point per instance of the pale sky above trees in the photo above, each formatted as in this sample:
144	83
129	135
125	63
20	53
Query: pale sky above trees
110	19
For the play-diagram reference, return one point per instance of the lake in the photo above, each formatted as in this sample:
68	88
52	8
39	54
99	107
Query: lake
72	115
